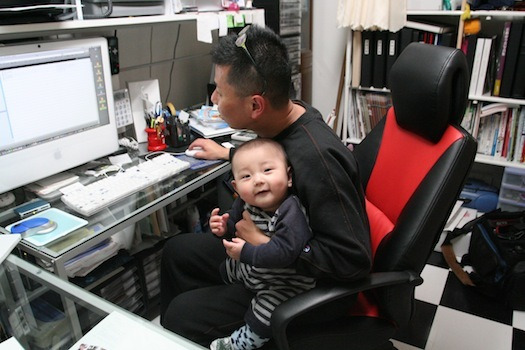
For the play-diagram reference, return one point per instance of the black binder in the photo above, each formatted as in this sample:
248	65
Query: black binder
511	58
367	58
518	85
392	51
378	77
405	38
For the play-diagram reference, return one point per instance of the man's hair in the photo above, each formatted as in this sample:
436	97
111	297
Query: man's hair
271	58
258	142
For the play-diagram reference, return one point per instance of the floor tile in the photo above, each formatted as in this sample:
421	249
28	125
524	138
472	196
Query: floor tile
416	333
402	346
454	329
518	320
518	339
434	279
467	299
436	259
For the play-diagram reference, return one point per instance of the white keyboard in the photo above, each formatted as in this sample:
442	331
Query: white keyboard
98	195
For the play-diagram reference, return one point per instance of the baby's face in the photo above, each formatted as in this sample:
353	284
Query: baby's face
262	177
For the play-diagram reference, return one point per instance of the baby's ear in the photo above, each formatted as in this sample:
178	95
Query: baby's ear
234	184
289	171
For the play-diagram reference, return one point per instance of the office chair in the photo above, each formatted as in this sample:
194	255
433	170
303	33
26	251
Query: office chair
413	165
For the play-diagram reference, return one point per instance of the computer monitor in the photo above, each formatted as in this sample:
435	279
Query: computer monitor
56	108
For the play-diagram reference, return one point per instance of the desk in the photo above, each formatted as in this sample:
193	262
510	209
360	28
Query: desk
32	312
118	216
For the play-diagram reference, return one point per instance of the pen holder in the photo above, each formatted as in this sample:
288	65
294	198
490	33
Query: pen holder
156	140
178	134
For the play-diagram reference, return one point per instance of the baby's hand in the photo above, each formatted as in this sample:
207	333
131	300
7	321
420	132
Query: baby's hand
218	223
234	248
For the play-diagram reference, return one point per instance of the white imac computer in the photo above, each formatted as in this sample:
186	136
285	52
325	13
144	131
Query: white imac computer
56	108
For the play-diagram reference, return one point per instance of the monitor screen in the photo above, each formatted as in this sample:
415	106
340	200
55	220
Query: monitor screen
56	108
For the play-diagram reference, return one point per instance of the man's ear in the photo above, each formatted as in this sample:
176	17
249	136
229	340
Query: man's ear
289	171
258	106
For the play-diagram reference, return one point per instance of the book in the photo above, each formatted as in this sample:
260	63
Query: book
207	124
500	65
493	108
447	39
520	137
501	133
469	48
518	85
429	27
367	58
484	67
357	43
378	77
513	49
480	43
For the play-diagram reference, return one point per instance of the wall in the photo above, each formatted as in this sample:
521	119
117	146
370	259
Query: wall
168	52
153	52
328	48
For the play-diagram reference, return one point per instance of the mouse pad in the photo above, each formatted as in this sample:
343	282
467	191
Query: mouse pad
66	223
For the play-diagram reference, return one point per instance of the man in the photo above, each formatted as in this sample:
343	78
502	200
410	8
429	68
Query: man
253	78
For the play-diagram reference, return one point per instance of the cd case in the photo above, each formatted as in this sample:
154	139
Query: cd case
66	223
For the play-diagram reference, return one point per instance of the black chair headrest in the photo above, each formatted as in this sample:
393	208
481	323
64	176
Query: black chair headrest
429	87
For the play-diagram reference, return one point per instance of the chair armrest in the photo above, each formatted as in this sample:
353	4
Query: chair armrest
323	294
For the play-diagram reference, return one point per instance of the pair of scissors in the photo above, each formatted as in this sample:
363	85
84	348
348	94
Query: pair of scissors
158	109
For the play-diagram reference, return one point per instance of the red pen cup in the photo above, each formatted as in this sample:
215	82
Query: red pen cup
156	140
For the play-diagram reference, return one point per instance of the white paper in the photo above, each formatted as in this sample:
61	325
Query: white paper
7	244
123	332
206	22
223	24
11	344
120	159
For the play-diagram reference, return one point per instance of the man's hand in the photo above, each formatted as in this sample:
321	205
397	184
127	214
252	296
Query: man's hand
234	248
247	230
210	149
218	223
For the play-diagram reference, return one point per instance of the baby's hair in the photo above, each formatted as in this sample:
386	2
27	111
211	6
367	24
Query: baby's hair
260	141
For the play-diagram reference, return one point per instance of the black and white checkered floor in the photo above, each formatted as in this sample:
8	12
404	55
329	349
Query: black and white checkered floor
451	316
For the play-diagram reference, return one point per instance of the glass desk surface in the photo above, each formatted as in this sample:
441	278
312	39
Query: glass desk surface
118	216
34	310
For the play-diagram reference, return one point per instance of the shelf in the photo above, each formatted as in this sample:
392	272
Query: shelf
475	14
52	28
487	98
16	31
497	14
433	13
481	158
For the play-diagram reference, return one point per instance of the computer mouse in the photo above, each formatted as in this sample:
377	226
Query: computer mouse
35	226
191	152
